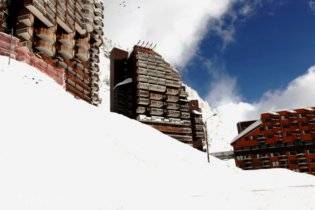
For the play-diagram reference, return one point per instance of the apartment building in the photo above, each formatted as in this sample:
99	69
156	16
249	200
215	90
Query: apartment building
66	33
283	139
145	87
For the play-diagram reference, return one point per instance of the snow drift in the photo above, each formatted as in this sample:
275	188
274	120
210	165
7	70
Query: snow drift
60	153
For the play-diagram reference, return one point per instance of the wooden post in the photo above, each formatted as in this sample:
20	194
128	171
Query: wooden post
10	46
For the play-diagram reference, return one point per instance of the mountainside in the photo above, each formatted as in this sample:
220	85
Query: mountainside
217	137
60	153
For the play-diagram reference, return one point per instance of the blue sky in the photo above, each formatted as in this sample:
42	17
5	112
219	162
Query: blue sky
272	44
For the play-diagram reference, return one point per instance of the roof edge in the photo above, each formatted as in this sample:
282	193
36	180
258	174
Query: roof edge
247	130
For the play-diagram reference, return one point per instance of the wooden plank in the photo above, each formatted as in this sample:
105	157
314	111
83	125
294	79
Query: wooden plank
170	98
142	71
153	80
173	113
172	91
161	81
155	73
143	93
156	104
183	138
173	106
184	106
183	93
64	25
172	129
143	78
158	119
157	88
39	15
155	111
186	122
199	127
140	110
198	120
156	96
200	134
170	83
143	101
185	115
184	109
143	86
175	120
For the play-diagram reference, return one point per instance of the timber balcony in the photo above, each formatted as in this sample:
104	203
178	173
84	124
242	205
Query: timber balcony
38	8
47	34
66	52
83	43
27	19
46	48
26	33
67	39
82	54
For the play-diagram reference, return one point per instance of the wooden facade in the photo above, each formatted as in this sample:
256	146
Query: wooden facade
284	139
66	33
145	87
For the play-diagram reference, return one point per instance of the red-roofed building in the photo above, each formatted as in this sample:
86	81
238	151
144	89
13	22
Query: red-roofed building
283	139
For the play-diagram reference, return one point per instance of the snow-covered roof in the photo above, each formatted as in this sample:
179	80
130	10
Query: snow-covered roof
247	130
273	113
196	112
126	81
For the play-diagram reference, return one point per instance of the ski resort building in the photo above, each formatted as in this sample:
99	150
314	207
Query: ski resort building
145	87
284	139
64	33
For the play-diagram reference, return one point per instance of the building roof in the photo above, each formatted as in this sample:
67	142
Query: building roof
259	122
196	112
247	130
273	113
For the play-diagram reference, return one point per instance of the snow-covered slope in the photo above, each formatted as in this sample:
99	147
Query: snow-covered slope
60	153
220	132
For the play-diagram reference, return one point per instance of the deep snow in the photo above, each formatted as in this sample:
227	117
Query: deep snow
60	153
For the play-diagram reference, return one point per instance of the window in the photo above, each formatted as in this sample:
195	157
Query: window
275	164
311	151
292	153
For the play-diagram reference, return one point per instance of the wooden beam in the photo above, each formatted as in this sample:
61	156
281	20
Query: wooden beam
39	15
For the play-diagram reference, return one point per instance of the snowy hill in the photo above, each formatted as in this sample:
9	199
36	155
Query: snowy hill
60	153
220	132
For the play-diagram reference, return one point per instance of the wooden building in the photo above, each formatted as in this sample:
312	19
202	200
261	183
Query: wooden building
284	139
145	87
66	33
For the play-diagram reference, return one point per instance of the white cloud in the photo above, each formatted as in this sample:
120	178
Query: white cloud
223	90
312	5
299	93
176	26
